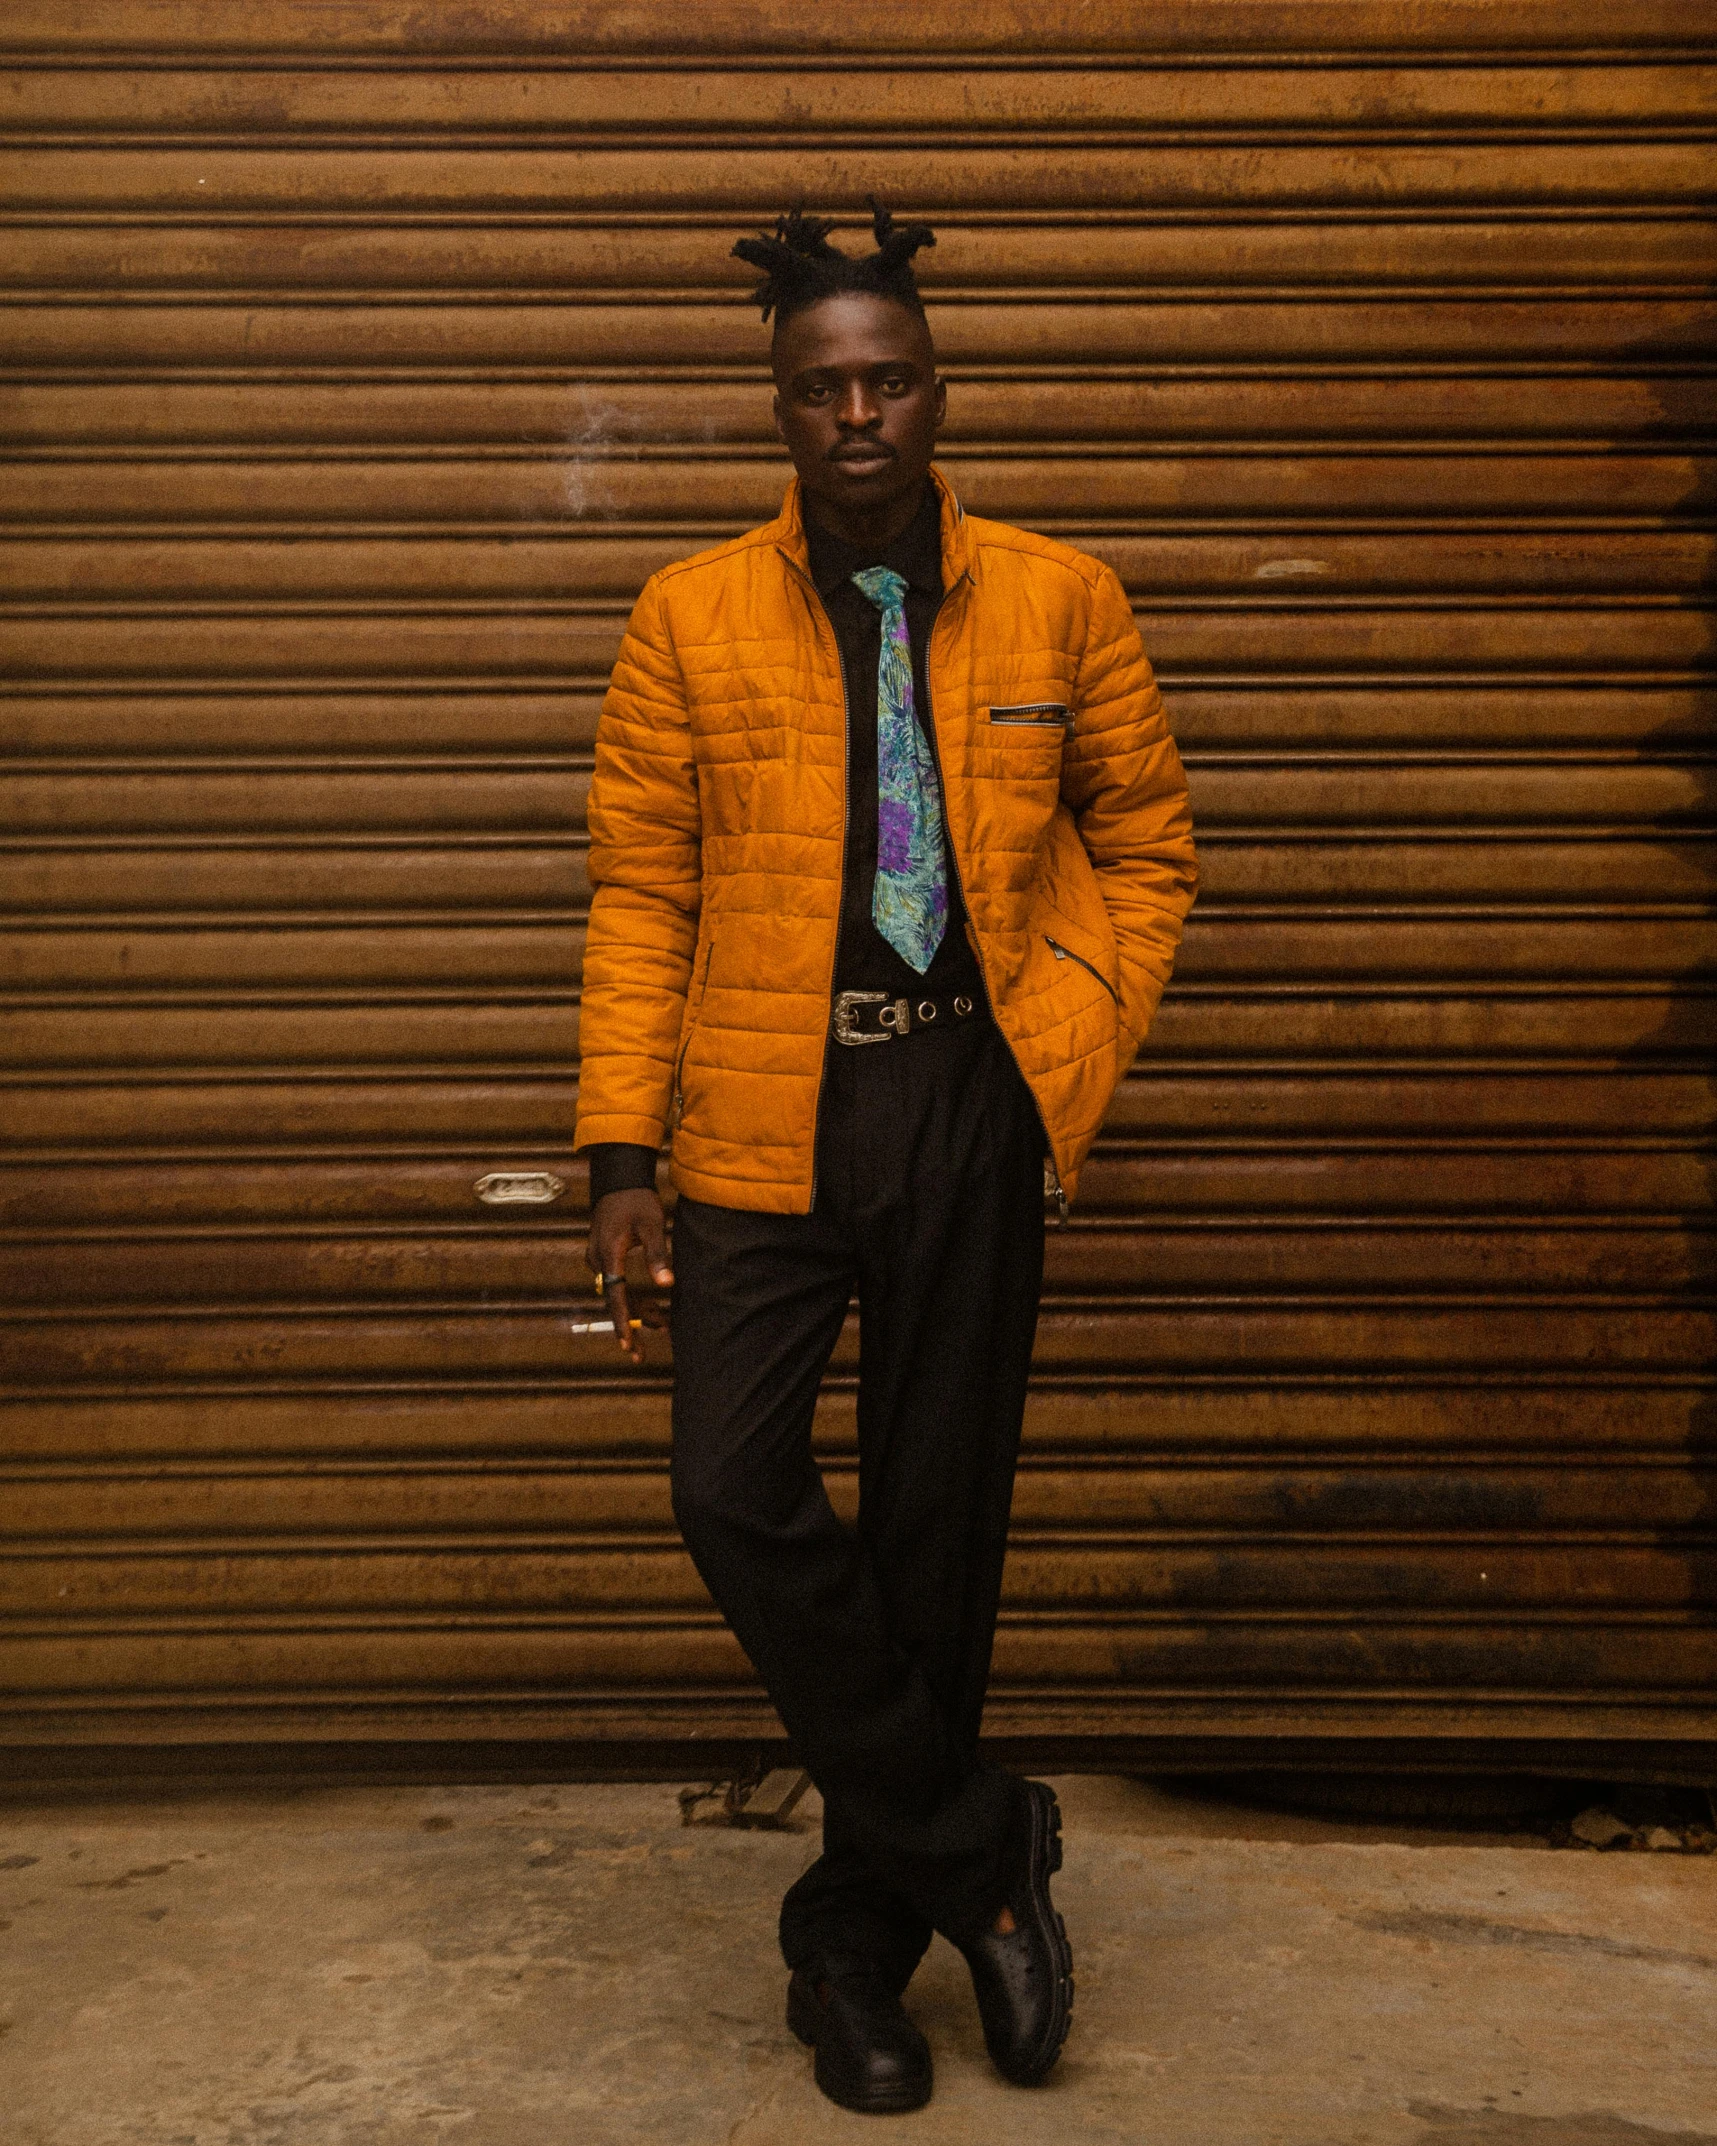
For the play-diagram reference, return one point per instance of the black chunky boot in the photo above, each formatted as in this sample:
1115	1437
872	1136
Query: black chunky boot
1023	1977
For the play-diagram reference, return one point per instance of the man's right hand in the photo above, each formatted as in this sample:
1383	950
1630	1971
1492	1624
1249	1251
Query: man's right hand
620	1221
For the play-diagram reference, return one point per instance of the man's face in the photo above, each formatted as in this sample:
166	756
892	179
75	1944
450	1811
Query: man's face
859	405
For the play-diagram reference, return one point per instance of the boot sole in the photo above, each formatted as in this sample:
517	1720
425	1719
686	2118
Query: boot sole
802	2018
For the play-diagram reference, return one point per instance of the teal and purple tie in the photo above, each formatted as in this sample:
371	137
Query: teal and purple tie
910	905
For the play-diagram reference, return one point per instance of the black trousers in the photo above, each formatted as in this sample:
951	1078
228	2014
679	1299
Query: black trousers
874	1643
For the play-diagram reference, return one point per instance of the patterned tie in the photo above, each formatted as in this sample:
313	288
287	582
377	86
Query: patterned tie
910	905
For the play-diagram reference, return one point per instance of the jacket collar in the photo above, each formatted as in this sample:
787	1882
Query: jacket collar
959	553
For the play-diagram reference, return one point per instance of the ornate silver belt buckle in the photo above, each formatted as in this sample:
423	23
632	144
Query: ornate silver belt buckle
846	1030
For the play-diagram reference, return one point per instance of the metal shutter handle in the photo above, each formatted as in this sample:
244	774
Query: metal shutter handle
519	1188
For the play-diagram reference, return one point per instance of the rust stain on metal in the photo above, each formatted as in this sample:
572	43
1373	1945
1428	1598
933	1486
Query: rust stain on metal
1367	344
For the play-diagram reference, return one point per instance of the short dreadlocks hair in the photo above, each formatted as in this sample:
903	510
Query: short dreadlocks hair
800	267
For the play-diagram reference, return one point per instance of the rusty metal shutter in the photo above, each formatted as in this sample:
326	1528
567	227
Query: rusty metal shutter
363	358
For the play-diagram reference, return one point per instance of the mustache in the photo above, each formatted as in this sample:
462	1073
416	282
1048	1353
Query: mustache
861	450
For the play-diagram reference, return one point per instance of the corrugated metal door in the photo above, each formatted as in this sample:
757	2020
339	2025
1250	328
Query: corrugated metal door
363	360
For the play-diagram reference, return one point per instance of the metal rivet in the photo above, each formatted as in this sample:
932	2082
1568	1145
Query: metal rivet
927	1009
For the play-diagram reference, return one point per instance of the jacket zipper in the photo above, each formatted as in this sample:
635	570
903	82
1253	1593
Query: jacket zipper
1037	714
1066	953
1051	1170
820	610
678	1110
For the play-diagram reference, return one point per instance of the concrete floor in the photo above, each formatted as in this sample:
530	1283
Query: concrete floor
569	1967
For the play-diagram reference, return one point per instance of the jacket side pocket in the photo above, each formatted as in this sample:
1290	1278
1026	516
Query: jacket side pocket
677	1109
1066	953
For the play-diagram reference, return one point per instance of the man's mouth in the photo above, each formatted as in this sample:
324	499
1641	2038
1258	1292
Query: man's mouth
863	453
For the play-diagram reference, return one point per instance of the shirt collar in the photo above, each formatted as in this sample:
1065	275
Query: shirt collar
915	555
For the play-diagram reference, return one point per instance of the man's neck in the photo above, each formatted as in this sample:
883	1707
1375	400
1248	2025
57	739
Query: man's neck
873	530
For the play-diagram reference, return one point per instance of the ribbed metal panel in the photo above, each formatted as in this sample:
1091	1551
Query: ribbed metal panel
360	361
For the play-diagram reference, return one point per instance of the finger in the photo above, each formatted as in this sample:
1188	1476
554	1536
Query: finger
653	1316
606	1252
629	1343
654	1239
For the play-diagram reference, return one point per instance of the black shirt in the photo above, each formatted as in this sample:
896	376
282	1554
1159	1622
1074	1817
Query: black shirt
864	960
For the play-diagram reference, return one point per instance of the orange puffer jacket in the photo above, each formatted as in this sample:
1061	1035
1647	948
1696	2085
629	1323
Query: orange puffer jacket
717	838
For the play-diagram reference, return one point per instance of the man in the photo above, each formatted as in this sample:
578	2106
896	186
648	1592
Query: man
891	852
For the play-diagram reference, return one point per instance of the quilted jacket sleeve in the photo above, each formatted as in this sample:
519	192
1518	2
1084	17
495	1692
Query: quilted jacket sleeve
1122	779
646	872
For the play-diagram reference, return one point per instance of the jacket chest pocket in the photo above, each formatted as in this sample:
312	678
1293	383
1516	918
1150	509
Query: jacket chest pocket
1035	715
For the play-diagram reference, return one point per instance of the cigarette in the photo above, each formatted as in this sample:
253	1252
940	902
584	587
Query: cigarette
596	1326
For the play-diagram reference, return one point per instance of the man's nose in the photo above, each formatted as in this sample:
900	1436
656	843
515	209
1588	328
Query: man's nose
858	408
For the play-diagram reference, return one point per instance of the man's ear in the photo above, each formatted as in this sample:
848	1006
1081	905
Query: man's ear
941	402
775	412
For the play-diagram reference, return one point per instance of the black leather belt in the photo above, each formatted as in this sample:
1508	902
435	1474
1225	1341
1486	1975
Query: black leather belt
877	1017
